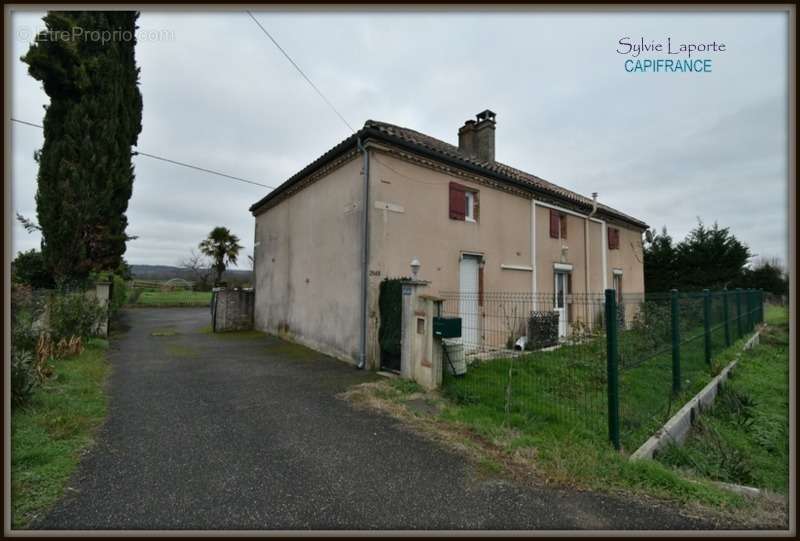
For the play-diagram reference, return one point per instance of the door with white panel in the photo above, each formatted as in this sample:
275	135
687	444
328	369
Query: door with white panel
468	308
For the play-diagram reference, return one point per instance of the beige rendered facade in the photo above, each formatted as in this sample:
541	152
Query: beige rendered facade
309	257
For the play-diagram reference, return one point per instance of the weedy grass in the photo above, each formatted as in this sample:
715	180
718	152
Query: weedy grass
744	438
49	434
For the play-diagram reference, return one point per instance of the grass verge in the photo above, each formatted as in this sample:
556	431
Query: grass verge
49	433
744	438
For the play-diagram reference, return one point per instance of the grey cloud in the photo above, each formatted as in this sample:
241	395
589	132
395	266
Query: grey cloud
663	148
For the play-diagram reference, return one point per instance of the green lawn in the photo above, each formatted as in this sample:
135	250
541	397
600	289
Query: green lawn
49	433
566	389
745	437
173	298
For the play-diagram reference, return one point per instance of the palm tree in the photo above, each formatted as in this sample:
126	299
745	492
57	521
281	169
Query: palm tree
222	247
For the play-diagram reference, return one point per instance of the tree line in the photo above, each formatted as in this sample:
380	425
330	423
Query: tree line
708	258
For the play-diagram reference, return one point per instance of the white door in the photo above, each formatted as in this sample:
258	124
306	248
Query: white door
468	305
561	302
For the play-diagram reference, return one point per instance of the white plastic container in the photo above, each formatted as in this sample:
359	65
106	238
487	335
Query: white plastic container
455	362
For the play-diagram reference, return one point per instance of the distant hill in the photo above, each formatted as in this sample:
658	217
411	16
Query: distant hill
165	272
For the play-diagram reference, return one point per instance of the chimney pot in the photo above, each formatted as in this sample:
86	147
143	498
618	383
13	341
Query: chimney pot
476	137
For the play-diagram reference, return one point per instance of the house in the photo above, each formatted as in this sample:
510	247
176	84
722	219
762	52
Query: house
474	224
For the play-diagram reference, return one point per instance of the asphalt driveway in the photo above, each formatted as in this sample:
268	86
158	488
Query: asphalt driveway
246	432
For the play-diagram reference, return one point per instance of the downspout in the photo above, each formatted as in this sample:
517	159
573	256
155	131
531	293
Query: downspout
362	356
533	251
586	237
586	248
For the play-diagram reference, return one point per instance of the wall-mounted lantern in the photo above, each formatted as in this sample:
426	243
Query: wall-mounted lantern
415	265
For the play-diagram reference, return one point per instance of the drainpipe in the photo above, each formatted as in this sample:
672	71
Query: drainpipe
534	270
362	356
586	236
586	246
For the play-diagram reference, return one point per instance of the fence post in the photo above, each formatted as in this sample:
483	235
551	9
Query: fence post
727	316
676	341
707	323
739	331
761	305
749	307
612	358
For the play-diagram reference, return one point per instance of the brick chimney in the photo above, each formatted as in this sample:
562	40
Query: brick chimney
476	138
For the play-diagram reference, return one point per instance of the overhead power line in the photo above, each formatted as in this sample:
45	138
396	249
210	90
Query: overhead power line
211	171
300	71
174	162
28	123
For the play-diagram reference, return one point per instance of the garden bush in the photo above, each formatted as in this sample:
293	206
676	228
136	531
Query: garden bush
29	268
390	303
119	294
23	378
74	314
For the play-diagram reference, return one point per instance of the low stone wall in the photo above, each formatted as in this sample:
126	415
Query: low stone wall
232	310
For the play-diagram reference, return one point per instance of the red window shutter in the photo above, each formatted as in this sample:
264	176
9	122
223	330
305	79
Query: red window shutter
563	222
458	201
555	224
613	238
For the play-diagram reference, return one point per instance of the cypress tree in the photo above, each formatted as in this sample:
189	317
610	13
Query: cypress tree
85	177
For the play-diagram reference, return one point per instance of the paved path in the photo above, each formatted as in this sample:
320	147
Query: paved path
206	431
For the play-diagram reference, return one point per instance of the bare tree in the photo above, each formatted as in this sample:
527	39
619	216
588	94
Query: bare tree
198	267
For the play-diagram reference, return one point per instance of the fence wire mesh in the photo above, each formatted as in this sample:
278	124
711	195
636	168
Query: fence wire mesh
536	358
541	360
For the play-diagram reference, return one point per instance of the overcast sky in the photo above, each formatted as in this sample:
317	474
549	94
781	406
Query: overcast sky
666	148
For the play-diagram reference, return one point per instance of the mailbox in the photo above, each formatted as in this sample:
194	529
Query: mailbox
447	327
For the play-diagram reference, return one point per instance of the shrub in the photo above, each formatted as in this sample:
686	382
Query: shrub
119	293
29	268
26	308
134	295
23	378
390	303
74	314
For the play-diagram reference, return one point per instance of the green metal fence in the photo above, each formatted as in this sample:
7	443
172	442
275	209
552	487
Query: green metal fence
617	368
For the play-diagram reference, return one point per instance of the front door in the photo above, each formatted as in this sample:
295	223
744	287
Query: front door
468	304
561	289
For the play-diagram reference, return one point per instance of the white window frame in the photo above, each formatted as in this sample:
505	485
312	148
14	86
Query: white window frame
469	215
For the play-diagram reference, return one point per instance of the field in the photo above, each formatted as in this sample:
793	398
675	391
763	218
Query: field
49	434
155	298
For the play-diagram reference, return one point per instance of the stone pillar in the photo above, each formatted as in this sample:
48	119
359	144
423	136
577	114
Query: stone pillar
420	356
232	310
428	369
102	292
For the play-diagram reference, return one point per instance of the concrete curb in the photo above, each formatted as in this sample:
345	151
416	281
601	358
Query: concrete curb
677	428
